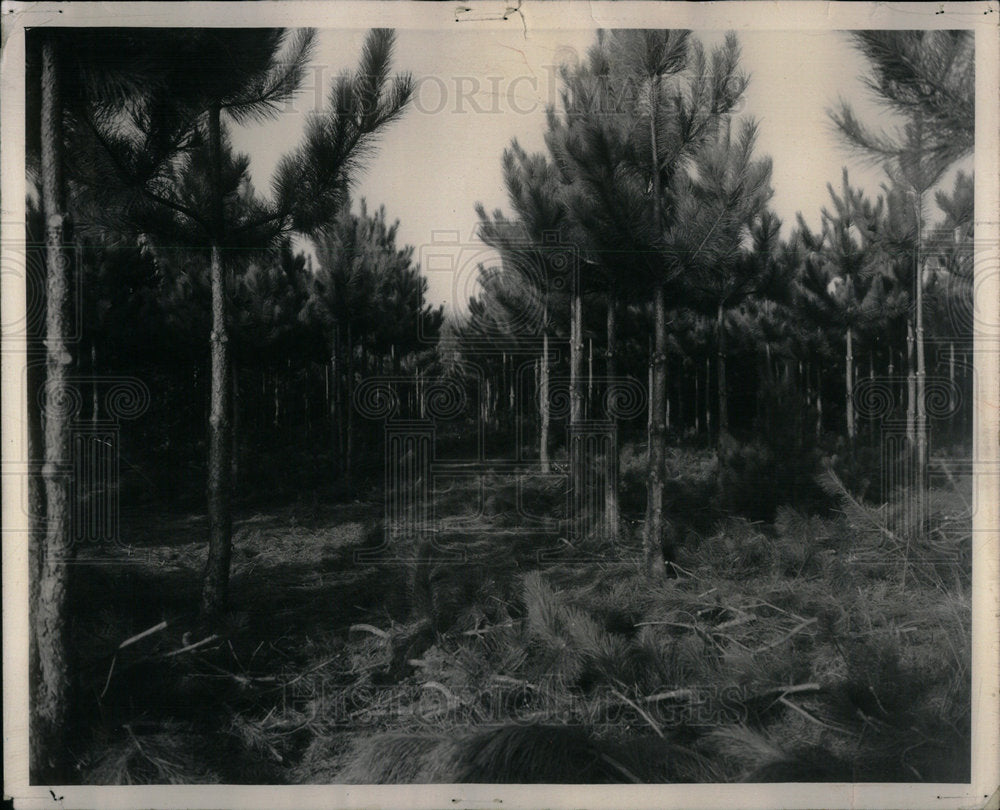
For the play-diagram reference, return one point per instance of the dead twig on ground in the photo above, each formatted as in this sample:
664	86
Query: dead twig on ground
777	642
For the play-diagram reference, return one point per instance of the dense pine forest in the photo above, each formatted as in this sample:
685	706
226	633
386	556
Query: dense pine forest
680	493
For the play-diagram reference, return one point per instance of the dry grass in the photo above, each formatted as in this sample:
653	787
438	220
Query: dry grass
816	647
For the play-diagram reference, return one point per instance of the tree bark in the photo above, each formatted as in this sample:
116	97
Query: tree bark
921	426
576	360
720	342
655	519
220	522
819	407
51	682
669	391
94	409
911	385
849	383
611	478
234	378
543	405
697	404
708	399
590	376
332	397
349	405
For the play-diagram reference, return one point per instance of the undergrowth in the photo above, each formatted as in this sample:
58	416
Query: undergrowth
814	646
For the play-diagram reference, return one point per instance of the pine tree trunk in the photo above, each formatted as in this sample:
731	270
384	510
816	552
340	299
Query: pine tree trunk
649	392
276	397
720	342
237	424
220	522
682	389
576	361
708	399
349	405
951	379
655	533
666	415
543	405
697	404
51	682
611	516
849	383
921	426
819	407
94	408
333	396
911	386
590	376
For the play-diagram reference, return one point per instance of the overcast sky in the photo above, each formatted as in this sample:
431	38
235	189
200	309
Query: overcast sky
476	90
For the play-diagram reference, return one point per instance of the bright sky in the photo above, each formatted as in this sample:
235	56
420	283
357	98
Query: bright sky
476	90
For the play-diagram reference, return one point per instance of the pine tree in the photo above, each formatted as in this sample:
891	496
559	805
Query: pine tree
247	75
928	77
682	99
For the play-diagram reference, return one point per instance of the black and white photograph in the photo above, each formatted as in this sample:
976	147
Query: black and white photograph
544	404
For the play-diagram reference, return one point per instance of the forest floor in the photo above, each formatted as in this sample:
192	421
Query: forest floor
825	646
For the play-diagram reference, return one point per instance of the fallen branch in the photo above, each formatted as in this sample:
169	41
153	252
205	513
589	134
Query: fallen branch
786	702
791	690
780	610
514	681
746	617
311	670
621	768
194	646
367	628
798	628
107	683
156	629
671	695
645	715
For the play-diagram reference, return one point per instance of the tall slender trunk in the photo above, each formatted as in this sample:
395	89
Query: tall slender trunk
51	682
911	386
332	397
720	342
819	405
921	426
220	521
697	404
649	392
543	404
682	389
666	412
349	406
577	446
891	373
576	359
708	399
94	408
237	424
655	533
590	376
611	466
951	379
511	386
276	396
849	383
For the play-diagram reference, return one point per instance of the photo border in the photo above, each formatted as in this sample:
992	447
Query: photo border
980	17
